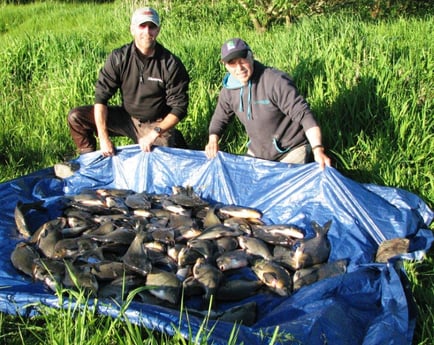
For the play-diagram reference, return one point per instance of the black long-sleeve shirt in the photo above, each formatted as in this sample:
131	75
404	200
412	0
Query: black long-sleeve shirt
150	86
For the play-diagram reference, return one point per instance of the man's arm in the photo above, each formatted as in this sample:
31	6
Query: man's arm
314	136
219	121
177	85
212	147
106	145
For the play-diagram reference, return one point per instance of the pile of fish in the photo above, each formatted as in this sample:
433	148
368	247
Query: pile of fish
177	246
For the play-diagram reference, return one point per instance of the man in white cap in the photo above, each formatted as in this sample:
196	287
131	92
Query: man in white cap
278	121
153	84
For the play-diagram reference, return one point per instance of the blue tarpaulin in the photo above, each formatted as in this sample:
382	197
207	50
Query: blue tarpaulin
369	304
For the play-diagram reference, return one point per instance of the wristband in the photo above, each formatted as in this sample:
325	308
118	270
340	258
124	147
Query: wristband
316	146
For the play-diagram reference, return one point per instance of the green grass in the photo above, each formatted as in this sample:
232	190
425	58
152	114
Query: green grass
370	84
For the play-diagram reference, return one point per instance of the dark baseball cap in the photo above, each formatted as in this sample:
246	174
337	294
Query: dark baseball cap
234	48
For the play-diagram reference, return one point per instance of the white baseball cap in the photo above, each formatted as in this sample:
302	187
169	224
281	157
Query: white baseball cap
145	14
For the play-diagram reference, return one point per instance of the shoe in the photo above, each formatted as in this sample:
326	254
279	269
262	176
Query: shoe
65	169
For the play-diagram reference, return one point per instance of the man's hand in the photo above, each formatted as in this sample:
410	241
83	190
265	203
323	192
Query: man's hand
320	157
212	147
148	140
107	147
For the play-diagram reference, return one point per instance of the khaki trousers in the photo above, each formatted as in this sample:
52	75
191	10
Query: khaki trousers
299	155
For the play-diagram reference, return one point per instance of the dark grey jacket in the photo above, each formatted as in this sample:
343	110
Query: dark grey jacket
272	111
151	87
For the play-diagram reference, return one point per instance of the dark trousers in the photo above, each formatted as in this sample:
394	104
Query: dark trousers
81	121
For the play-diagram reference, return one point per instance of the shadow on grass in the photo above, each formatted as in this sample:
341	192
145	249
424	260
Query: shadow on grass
357	116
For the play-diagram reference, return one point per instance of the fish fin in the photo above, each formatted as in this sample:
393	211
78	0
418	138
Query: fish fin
321	230
270	278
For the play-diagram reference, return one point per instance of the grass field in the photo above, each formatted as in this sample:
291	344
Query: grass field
370	84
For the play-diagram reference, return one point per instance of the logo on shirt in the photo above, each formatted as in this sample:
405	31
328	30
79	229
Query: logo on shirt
262	101
155	79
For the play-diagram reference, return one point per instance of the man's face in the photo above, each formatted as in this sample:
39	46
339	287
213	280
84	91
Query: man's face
241	68
145	35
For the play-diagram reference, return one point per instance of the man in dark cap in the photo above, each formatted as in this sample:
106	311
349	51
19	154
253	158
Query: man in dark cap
277	119
153	84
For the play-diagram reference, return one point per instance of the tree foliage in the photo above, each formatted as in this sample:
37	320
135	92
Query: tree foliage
265	13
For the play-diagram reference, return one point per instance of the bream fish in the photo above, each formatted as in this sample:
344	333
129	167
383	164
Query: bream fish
118	242
310	275
390	248
21	209
274	276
